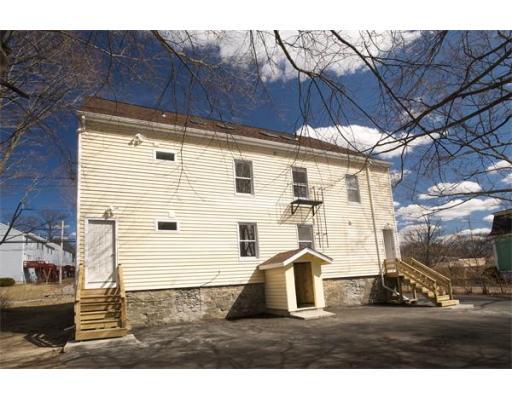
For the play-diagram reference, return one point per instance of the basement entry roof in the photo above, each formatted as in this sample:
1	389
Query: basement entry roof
287	257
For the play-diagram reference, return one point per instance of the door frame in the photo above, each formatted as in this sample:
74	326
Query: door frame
86	244
313	291
393	241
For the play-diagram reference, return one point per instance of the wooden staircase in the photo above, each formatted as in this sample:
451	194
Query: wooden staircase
434	286
100	313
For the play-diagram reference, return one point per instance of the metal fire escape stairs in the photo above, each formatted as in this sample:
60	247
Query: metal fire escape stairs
315	204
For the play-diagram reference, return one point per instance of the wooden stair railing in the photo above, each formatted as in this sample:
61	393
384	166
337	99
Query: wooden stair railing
435	286
79	288
100	313
442	280
122	295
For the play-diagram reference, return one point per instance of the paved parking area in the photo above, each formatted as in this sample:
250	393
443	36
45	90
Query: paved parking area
357	337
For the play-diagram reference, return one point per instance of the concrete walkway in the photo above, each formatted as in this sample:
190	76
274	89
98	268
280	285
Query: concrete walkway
357	337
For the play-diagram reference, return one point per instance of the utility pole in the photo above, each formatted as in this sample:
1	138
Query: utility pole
61	249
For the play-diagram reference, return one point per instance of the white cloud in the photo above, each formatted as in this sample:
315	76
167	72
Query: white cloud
396	204
454	209
488	218
406	230
447	188
507	179
364	139
325	52
412	212
503	164
477	233
395	175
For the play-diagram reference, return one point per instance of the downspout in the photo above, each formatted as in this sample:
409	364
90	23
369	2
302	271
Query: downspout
375	235
78	244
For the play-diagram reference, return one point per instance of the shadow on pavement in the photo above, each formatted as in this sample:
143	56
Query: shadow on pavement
43	326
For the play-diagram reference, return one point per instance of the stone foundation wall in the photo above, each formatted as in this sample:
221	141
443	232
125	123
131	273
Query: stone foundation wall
157	307
353	291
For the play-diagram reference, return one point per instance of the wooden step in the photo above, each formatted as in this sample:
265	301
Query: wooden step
100	324
99	298
108	306
104	291
101	334
94	315
443	297
447	303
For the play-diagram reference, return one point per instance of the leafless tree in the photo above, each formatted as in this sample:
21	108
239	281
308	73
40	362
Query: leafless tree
449	91
424	242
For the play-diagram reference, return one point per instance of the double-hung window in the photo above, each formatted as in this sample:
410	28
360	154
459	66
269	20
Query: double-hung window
353	188
243	177
300	183
305	236
248	239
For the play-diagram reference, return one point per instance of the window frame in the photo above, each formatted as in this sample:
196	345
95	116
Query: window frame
306	185
312	241
157	221
243	177
256	241
155	151
349	190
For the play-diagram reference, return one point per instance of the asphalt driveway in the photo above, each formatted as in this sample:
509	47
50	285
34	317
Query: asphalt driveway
357	337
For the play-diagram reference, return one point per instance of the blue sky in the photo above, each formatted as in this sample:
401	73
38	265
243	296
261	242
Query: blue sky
280	112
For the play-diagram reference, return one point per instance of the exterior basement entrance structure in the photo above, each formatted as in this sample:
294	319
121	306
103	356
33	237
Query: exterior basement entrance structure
293	281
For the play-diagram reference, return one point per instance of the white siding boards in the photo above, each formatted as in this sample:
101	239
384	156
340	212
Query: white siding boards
196	189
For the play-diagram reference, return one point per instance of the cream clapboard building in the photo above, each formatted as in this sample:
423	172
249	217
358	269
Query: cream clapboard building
210	219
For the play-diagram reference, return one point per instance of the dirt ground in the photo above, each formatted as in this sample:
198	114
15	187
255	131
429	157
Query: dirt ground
357	337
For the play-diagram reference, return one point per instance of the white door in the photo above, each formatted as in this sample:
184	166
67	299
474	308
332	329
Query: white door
101	254
389	243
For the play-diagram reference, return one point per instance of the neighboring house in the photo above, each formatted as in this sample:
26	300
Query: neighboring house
210	219
20	247
501	233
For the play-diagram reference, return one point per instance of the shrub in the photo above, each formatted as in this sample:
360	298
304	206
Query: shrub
7	282
4	302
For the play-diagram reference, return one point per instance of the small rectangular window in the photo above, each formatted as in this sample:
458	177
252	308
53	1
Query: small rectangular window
306	236
164	155
243	177
300	183
248	238
353	188
167	225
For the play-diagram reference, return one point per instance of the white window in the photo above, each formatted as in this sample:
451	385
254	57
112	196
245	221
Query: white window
248	239
305	236
353	188
167	226
165	155
243	177
300	183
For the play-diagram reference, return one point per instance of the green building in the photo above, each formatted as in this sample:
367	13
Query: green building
502	240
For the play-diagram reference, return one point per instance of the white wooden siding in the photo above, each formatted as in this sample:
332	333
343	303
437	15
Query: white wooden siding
197	190
275	289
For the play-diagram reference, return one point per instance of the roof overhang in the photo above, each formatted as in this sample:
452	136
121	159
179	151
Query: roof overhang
202	133
296	257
